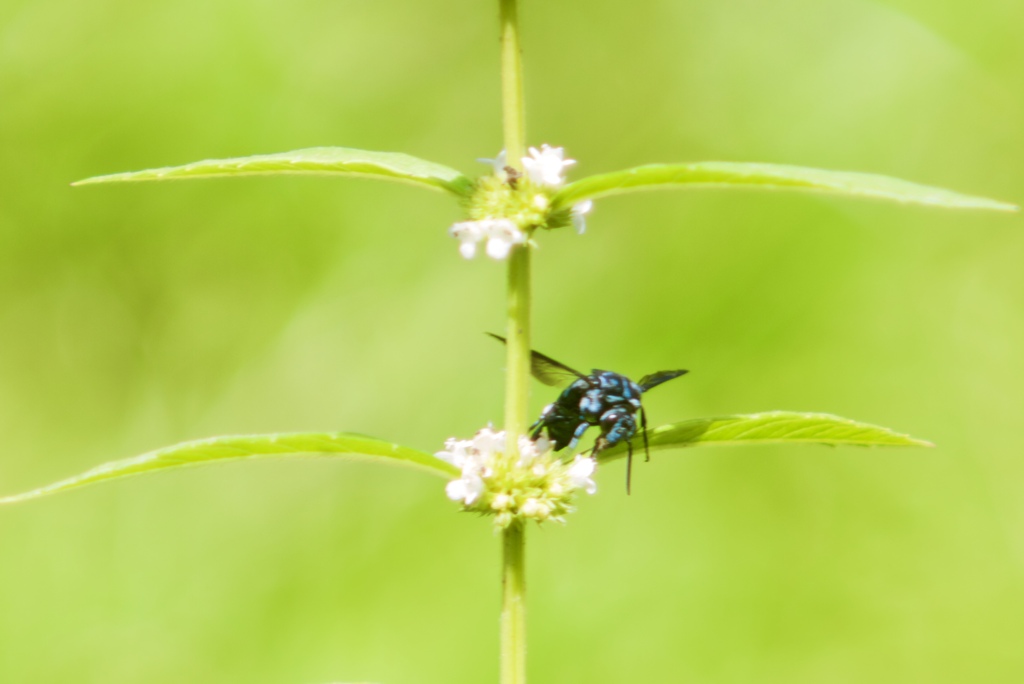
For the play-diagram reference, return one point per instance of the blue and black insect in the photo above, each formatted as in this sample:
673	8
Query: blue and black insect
603	399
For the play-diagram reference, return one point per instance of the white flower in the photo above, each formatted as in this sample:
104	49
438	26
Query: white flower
466	489
468	233
545	166
579	474
463	455
500	235
488	441
579	212
504	211
456	452
499	163
530	450
532	508
536	484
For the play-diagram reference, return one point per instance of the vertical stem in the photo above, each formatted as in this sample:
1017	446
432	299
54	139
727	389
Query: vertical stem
513	567
513	112
513	607
518	324
517	331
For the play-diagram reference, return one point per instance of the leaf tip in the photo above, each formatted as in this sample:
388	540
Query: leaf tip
995	205
91	180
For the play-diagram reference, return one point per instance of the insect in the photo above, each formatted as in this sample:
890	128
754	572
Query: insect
513	176
604	399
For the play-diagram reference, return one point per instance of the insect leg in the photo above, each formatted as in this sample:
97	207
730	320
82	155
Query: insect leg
643	425
580	429
629	466
541	422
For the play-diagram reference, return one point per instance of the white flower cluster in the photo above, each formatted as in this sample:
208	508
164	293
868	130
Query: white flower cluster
499	234
543	173
535	484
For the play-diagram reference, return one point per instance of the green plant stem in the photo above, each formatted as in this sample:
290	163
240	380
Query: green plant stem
513	612
513	112
513	605
513	568
517	331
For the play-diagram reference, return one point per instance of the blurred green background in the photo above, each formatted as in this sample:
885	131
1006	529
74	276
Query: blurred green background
134	317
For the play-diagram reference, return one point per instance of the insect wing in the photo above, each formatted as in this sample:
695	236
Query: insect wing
654	379
551	372
546	369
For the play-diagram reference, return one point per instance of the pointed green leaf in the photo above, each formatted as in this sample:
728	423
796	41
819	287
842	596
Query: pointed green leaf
770	176
315	160
235	447
775	427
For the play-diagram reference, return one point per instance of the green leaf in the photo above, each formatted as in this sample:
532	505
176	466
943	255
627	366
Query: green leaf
775	427
236	447
770	176
315	160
